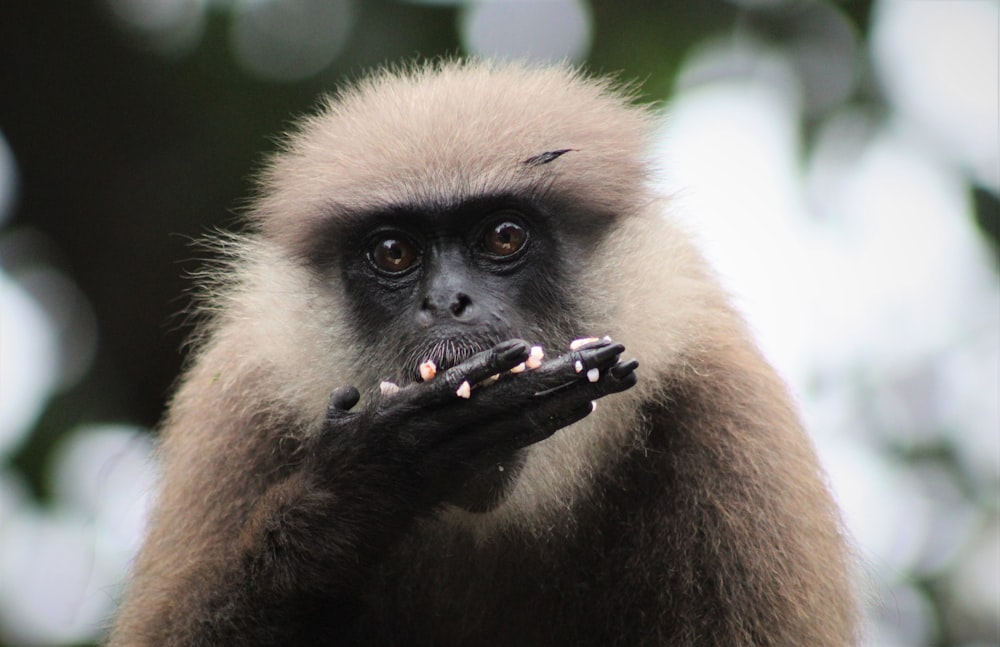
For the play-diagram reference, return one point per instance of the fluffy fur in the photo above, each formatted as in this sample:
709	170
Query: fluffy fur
689	510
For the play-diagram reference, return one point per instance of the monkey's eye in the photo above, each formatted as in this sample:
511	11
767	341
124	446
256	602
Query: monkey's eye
505	239
393	255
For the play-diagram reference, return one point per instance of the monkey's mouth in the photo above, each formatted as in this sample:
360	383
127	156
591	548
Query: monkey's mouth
446	353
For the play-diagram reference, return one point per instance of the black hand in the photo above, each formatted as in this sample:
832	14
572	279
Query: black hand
425	440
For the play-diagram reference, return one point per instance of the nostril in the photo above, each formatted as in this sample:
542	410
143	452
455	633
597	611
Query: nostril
460	304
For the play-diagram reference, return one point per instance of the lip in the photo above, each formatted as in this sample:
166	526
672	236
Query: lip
446	353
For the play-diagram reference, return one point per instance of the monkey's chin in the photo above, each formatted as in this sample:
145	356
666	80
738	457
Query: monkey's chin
489	487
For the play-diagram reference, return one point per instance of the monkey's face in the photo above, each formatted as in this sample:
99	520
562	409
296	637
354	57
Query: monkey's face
448	212
443	282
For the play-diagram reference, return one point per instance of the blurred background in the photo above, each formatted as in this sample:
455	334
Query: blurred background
840	162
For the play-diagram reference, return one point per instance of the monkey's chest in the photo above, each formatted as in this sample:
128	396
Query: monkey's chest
450	592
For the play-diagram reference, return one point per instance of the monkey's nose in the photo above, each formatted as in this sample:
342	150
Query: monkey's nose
459	306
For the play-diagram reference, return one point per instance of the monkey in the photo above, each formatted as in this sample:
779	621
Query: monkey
648	484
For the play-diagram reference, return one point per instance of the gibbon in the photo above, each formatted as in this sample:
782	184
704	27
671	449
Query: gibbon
410	417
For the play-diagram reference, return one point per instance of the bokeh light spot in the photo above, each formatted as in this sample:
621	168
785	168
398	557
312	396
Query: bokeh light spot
286	40
166	26
8	178
939	63
29	362
544	31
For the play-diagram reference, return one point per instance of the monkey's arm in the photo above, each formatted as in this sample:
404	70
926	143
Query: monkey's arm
731	484
301	549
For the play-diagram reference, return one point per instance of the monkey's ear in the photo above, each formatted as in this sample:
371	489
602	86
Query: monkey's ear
546	157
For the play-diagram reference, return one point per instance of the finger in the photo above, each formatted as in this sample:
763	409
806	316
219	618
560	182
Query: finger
587	363
618	378
597	384
479	367
599	357
589	342
576	363
343	399
622	369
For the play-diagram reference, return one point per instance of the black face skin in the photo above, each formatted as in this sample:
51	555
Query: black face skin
446	282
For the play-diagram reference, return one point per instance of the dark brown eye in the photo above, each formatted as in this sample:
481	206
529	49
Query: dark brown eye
505	239
393	255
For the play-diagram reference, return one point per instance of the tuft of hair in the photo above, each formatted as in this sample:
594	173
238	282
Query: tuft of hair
452	129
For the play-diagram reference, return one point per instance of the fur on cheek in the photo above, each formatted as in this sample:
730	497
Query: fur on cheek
302	349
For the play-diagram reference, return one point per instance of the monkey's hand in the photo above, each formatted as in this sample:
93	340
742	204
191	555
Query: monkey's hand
367	475
424	442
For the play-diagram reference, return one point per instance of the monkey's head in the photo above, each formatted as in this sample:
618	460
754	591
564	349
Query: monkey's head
443	211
